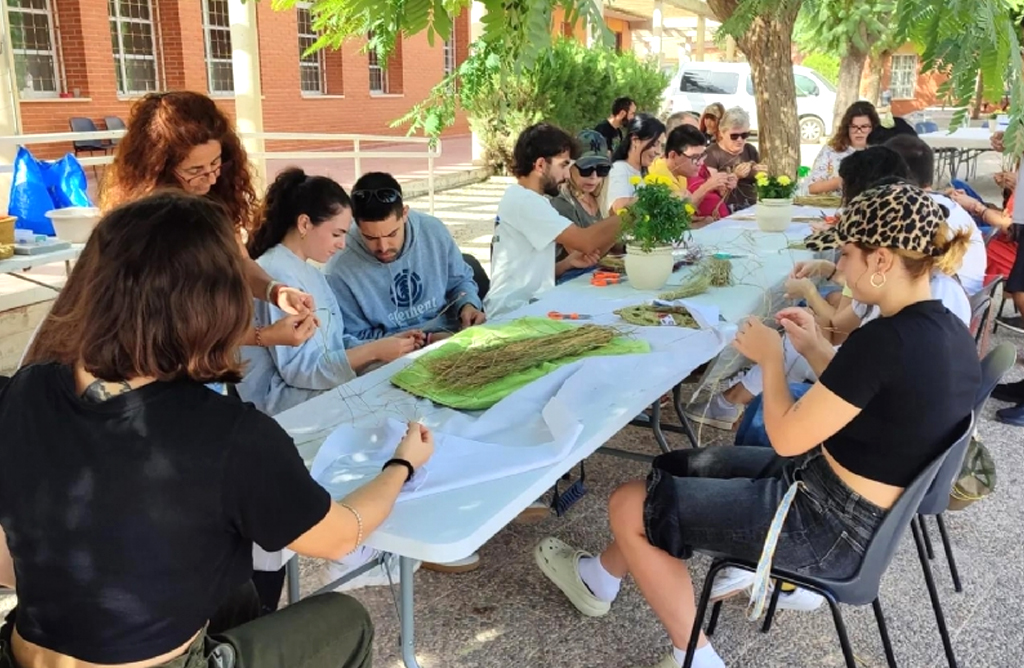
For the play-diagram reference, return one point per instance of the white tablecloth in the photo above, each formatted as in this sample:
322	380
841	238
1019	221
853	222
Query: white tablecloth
964	138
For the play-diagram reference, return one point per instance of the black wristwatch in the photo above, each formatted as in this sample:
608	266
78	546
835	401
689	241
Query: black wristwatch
401	462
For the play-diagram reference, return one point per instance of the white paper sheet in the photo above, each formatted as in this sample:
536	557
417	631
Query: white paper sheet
706	315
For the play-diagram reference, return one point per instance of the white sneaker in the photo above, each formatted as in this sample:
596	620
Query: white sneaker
731	581
381	574
717	413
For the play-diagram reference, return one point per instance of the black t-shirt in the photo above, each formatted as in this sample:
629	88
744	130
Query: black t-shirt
611	134
130	521
914	376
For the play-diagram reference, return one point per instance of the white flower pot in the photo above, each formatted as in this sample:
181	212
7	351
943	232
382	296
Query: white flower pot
648	271
774	215
74	223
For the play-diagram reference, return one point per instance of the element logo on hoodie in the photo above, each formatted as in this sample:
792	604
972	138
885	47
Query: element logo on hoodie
407	289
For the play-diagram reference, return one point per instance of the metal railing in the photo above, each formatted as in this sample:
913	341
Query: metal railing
357	154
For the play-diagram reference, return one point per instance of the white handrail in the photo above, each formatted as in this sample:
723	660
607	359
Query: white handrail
432	152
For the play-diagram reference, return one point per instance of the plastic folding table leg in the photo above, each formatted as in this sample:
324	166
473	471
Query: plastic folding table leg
405	567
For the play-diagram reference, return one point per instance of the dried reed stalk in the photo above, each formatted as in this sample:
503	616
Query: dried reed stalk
719	270
649	315
697	284
473	368
825	201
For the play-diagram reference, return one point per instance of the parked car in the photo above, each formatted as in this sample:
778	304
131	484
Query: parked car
696	85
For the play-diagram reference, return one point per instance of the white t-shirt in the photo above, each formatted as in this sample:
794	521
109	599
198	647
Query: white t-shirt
1018	211
522	249
972	271
944	288
618	186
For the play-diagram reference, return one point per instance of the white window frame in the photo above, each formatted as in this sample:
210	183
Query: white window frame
450	54
902	80
209	28
120	57
52	51
381	72
318	65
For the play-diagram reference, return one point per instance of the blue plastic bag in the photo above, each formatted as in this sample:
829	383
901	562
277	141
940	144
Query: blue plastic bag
40	186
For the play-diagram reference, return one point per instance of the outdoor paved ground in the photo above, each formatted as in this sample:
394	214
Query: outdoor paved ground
507	615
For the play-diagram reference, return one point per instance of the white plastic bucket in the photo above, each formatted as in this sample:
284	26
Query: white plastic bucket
74	223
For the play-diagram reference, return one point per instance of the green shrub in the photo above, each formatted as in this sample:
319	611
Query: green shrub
824	64
571	86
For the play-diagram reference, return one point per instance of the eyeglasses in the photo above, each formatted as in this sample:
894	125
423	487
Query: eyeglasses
191	179
602	170
736	136
861	128
696	159
382	195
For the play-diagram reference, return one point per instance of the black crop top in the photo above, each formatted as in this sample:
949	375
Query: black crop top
130	521
914	376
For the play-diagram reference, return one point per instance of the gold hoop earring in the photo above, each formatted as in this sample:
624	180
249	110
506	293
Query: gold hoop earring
878	285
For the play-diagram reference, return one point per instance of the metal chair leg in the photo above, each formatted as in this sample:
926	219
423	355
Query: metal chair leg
948	548
716	610
883	630
659	435
940	618
926	537
772	604
702	608
844	639
677	404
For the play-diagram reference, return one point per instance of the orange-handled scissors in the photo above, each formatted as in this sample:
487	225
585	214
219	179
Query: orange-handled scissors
556	315
605	278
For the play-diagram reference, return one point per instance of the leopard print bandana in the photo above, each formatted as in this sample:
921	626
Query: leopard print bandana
894	215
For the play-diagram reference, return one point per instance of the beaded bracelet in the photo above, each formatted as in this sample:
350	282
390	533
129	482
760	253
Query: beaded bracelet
359	522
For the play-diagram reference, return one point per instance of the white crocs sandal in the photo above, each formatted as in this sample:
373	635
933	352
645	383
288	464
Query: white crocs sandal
559	563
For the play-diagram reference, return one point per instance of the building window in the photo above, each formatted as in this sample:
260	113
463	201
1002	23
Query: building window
133	41
311	66
904	77
378	72
220	74
450	63
34	47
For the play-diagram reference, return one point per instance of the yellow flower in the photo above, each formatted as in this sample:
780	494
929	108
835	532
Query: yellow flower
761	179
646	218
689	208
621	212
634	180
784	180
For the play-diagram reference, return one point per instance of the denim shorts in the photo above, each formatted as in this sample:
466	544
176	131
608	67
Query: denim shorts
721	500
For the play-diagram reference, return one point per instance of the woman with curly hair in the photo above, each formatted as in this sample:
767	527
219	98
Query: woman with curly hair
851	135
181	140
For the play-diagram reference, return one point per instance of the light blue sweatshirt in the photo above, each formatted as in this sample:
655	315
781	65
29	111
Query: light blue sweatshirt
378	299
281	377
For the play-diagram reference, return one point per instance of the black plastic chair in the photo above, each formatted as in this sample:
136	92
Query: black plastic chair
114	123
90	146
981	304
860	589
936	501
483	282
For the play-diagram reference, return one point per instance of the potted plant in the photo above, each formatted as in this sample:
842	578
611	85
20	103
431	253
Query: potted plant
774	201
652	225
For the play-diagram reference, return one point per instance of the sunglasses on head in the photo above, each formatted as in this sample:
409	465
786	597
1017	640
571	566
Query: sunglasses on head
602	170
383	195
736	136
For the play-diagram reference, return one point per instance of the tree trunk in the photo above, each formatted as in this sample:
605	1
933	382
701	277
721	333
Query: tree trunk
873	87
979	97
768	46
851	70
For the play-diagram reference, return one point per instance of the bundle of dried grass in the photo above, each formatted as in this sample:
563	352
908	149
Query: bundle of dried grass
825	201
473	368
6	251
612	263
797	245
697	284
719	270
651	315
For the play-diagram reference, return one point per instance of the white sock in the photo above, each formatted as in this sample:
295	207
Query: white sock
704	657
601	583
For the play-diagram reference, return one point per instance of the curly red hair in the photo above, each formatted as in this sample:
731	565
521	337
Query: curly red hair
162	129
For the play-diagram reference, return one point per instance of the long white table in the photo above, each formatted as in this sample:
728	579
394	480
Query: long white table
964	145
15	266
452	525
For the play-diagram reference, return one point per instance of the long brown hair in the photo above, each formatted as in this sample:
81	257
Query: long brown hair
841	138
162	129
159	291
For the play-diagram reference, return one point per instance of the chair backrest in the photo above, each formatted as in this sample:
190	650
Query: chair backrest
82	124
919	128
862	588
980	303
114	123
993	368
930	126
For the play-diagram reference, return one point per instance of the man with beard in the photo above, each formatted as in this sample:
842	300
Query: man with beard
401	269
528	227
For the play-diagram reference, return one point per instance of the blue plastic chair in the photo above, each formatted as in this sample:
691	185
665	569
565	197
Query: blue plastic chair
860	589
936	501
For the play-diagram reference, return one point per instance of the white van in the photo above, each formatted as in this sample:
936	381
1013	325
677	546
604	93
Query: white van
696	85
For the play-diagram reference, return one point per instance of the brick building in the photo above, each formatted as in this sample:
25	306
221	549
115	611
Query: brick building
92	59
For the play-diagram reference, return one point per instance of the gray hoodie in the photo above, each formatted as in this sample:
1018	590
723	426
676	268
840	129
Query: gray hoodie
378	299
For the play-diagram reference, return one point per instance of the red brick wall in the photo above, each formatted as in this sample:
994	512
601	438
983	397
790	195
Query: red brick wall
348	106
925	90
